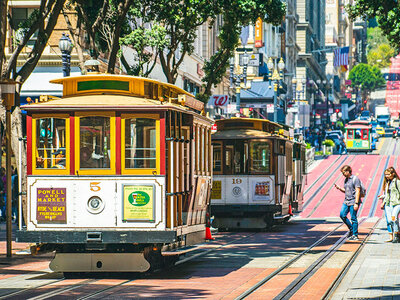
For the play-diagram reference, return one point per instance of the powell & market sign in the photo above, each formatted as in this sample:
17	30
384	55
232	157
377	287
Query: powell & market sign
51	205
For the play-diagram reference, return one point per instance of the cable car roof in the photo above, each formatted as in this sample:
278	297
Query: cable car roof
240	134
256	126
96	90
360	126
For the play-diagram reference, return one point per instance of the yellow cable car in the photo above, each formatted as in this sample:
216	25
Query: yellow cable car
118	171
258	173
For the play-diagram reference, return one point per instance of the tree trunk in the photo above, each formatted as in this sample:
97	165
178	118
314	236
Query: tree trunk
122	10
16	133
3	30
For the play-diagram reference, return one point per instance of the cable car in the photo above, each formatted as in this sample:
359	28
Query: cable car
358	136
118	172
256	181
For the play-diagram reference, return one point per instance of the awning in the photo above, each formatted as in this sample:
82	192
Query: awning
38	82
260	91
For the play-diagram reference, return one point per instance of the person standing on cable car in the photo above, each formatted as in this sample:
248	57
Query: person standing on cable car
352	189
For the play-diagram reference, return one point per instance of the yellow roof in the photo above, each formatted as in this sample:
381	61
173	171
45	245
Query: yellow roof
114	102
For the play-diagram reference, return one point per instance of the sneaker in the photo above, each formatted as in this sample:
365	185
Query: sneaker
350	234
353	238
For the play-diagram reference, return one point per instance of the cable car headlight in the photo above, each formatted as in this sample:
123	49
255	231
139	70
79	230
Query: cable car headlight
95	205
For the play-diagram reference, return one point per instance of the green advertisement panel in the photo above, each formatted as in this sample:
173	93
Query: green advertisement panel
138	203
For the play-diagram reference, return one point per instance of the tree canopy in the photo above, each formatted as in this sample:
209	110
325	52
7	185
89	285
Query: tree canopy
386	12
380	56
366	78
236	14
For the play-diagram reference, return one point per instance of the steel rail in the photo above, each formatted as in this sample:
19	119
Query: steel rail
21	291
98	292
295	286
323	173
348	265
62	290
375	202
286	265
361	208
326	193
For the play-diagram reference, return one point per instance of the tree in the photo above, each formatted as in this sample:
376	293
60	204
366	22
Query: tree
181	20
145	38
96	18
42	21
375	37
236	14
381	56
366	78
386	12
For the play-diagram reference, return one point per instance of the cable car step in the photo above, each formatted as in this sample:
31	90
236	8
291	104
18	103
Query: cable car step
179	251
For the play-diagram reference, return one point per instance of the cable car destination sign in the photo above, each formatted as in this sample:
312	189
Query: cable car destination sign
51	205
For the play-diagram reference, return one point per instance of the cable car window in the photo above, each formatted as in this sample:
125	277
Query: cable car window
217	158
140	143
260	157
50	149
95	142
365	134
228	168
350	134
357	134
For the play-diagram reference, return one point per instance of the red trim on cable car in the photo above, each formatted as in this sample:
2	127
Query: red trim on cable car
29	145
118	144
72	145
162	144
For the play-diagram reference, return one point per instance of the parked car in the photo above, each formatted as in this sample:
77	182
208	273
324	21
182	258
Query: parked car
380	130
338	140
337	132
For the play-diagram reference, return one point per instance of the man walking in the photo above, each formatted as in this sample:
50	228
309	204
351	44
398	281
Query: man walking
351	190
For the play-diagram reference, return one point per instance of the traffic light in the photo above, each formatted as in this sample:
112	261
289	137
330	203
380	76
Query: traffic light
250	109
365	101
337	110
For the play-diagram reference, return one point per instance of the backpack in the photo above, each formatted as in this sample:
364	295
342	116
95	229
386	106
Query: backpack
363	191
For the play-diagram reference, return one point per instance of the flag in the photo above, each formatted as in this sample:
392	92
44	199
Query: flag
341	57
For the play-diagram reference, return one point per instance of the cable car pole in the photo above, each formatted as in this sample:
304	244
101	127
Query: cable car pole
7	90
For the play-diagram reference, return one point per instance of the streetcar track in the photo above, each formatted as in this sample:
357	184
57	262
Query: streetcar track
295	286
16	293
57	291
375	200
348	265
320	176
326	193
289	263
323	183
369	189
62	290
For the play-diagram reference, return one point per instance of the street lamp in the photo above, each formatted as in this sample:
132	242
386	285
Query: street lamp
236	79
7	92
65	45
276	77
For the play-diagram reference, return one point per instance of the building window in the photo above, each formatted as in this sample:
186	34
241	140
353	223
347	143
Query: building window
19	15
191	87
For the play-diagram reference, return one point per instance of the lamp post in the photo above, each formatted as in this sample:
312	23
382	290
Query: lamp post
236	79
7	92
65	45
276	76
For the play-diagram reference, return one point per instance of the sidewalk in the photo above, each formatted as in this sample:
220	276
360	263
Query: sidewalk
16	247
375	274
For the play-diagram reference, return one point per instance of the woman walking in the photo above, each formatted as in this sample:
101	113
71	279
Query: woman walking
391	203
